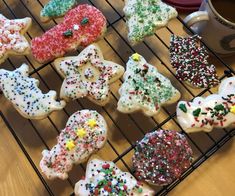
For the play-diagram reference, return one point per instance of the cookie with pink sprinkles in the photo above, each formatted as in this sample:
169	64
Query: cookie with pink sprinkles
190	60
161	157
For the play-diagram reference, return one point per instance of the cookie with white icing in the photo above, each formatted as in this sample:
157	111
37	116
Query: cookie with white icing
144	88
25	95
105	178
88	75
216	110
144	17
12	40
84	134
56	8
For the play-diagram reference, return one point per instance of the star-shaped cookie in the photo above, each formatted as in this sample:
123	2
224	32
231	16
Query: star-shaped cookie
88	75
12	40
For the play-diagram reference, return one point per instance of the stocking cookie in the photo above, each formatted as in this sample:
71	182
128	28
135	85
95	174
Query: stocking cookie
25	95
144	88
161	157
216	110
190	61
12	40
88	75
105	178
56	8
81	26
84	134
144	17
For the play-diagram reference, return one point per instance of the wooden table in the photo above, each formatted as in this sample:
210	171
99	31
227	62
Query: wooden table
17	176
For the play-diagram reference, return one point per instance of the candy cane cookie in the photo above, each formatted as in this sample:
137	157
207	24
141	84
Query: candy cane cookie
216	110
12	40
81	26
84	134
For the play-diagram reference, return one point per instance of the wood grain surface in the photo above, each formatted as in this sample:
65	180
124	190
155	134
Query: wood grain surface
215	177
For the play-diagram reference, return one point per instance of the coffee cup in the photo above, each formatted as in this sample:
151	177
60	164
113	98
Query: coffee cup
215	23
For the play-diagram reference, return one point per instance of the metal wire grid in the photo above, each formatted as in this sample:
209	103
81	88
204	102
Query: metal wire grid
217	142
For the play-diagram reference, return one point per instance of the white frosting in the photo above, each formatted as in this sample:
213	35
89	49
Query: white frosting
25	95
218	104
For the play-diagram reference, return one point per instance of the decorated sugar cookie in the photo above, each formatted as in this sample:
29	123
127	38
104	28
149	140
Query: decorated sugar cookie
56	8
88	75
25	95
144	88
161	157
144	17
216	110
82	26
105	178
12	40
84	134
190	61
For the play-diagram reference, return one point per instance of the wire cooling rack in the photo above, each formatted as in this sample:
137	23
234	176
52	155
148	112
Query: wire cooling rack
34	136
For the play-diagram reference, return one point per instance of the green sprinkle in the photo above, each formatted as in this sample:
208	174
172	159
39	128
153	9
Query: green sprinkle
84	21
197	112
183	107
140	190
219	107
68	33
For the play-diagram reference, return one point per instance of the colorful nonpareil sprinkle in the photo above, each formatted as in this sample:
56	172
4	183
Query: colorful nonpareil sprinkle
75	144
105	178
217	110
190	60
161	157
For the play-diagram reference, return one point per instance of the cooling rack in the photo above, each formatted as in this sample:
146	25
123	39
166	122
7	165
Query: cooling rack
34	136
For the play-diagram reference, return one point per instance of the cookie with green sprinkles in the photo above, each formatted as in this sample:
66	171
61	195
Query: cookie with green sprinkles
161	157
144	88
216	110
105	178
190	60
56	8
144	17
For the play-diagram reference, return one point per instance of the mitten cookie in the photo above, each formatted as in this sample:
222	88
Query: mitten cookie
144	88
12	40
81	26
84	134
216	110
88	75
25	95
105	178
189	58
56	8
161	157
144	17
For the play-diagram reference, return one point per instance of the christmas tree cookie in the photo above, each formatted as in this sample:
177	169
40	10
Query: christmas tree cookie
144	88
216	110
144	17
56	8
105	178
84	134
189	59
25	95
88	75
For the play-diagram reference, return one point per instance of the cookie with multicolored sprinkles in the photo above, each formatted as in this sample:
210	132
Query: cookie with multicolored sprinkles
84	134
56	8
82	26
216	110
190	60
144	88
105	178
12	40
25	95
161	157
88	75
144	17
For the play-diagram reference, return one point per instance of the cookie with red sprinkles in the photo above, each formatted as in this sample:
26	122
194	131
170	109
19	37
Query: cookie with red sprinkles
216	110
161	157
82	26
105	178
190	60
84	134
